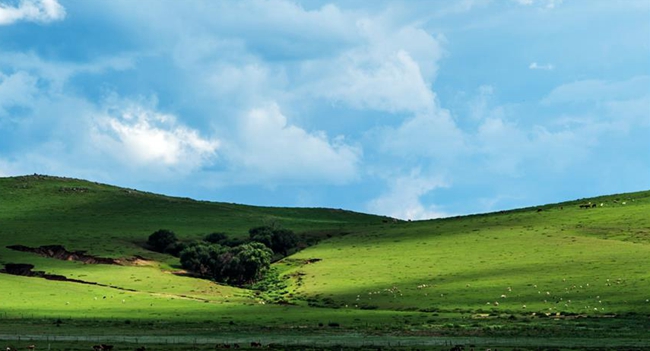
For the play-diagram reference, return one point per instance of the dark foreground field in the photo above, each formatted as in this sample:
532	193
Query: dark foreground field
559	276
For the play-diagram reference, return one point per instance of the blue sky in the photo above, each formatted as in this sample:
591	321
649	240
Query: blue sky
412	109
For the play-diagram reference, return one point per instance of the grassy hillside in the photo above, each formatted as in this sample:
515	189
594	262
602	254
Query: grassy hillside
463	275
563	259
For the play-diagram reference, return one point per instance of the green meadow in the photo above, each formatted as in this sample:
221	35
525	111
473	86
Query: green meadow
556	274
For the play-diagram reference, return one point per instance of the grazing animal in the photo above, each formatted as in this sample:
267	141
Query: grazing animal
31	347
97	347
256	344
106	347
539	210
235	346
141	348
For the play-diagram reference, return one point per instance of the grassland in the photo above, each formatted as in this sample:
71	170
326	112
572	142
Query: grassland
551	275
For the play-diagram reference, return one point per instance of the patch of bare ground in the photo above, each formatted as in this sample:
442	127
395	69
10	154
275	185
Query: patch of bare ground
60	253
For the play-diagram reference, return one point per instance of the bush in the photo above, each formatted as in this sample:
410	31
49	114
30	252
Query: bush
232	242
216	238
161	239
238	265
277	239
175	248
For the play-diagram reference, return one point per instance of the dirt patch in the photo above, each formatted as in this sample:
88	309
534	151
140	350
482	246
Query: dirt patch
60	253
137	261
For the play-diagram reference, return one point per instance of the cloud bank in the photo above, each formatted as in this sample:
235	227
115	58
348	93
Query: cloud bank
40	11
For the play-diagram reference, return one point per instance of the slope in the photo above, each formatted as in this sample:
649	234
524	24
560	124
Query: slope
554	259
563	260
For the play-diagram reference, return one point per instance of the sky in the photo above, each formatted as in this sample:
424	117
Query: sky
411	109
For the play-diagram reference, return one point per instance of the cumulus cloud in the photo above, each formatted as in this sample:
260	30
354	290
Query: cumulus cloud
391	71
403	199
432	135
536	66
41	11
141	137
394	85
270	149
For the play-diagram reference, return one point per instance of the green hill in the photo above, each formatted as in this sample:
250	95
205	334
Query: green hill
489	274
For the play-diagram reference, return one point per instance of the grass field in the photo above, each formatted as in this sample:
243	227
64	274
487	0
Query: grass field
556	275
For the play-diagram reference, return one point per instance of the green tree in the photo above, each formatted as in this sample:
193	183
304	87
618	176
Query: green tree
251	261
239	265
277	239
161	239
283	240
263	234
216	238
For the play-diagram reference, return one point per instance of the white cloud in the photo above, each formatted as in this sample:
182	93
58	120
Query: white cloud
503	145
58	73
140	137
512	150
403	197
595	90
277	27
433	135
546	67
41	11
548	4
630	112
394	85
270	150
390	71
16	89
481	108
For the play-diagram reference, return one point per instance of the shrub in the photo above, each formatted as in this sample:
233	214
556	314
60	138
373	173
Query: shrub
216	238
277	239
161	239
238	265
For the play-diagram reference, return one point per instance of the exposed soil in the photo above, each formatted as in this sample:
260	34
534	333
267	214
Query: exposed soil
138	261
60	253
311	260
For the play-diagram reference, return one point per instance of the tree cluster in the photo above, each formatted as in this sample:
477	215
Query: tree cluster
227	260
165	241
277	239
237	265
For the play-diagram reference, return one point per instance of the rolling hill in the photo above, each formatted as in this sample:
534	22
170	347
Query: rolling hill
504	272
